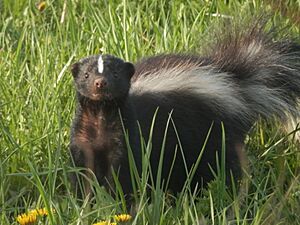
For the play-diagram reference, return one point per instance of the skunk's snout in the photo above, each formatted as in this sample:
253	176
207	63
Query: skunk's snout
100	83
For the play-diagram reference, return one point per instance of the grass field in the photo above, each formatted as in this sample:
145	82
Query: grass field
37	101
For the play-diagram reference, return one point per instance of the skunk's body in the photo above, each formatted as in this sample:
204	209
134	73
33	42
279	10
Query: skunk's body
246	75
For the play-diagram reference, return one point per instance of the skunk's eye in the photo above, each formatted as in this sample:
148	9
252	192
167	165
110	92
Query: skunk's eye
86	75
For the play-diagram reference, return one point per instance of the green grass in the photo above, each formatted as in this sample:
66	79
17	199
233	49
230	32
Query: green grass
37	105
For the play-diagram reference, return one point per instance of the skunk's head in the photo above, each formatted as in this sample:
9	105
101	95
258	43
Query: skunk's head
102	77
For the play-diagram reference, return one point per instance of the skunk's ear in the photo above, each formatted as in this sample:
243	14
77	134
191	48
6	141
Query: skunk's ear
128	69
75	69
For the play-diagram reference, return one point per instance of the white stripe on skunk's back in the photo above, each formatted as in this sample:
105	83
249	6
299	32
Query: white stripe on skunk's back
217	88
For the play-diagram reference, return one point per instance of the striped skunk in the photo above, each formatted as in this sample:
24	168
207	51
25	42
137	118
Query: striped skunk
246	75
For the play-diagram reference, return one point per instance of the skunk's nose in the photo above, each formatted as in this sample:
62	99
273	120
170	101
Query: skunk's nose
100	83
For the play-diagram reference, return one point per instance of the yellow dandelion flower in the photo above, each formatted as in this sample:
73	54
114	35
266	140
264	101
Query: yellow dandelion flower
26	219
123	217
42	212
39	212
31	216
41	6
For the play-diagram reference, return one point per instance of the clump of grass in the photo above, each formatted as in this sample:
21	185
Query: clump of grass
37	105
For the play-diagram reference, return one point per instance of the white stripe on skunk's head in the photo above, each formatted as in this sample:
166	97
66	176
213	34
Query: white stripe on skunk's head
100	64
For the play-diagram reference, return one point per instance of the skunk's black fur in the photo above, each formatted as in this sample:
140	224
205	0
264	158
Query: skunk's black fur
245	75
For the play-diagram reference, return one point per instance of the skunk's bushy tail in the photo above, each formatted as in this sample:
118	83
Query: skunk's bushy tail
244	74
266	71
